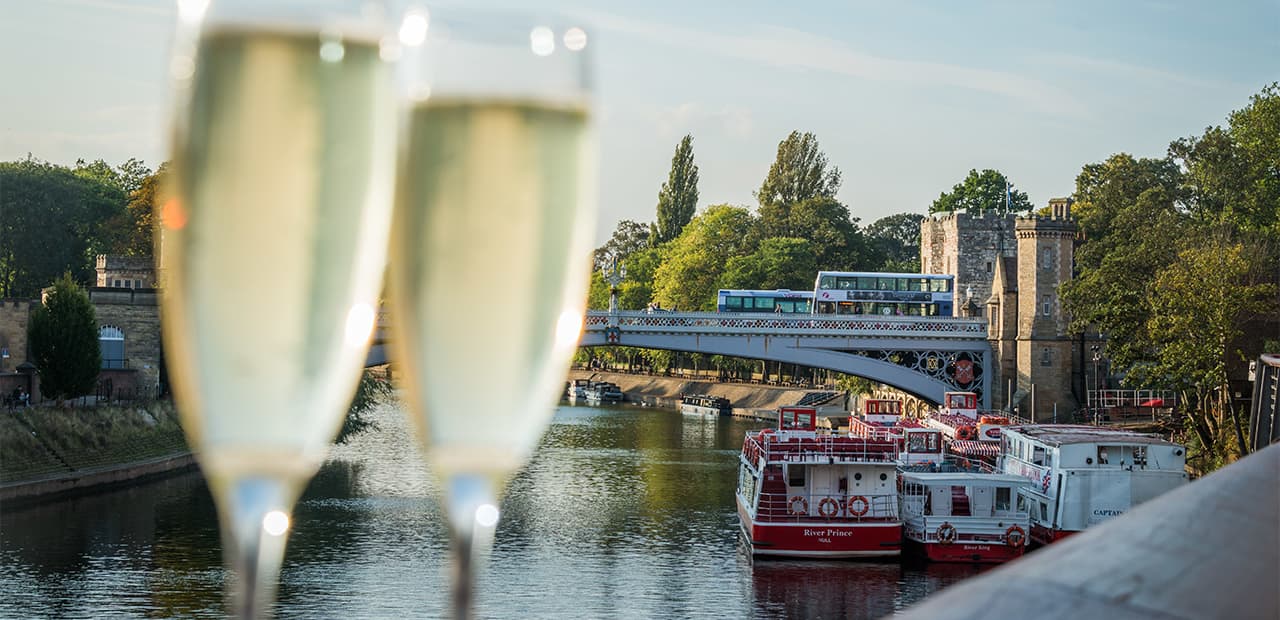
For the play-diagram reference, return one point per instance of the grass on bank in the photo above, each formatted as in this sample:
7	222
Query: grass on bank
42	442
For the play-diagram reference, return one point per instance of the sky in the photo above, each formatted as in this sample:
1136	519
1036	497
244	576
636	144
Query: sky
904	97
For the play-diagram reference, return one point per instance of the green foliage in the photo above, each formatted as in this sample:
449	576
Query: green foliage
374	389
854	384
52	222
779	262
628	238
695	261
1234	173
836	239
63	336
678	198
799	172
980	192
896	240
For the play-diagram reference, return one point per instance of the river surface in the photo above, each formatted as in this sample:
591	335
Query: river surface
622	513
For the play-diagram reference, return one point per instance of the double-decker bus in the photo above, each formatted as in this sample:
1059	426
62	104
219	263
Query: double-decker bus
782	300
889	294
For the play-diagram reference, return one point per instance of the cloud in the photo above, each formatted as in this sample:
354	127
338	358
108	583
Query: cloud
796	49
159	9
1130	72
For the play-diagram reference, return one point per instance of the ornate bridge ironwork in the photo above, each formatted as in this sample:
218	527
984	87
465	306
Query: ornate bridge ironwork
919	355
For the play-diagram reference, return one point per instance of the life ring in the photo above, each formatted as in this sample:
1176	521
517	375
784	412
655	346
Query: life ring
946	533
1014	536
858	505
798	505
828	507
965	432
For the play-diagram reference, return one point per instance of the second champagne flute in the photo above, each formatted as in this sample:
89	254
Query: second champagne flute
490	248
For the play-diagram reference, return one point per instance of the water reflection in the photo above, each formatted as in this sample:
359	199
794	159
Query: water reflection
622	513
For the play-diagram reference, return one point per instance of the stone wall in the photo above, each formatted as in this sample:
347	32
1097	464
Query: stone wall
129	271
136	313
966	245
15	314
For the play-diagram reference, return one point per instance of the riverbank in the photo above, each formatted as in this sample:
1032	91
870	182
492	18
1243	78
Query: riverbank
748	400
47	451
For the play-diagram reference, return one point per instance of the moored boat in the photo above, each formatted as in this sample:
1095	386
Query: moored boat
964	516
882	419
576	391
1084	475
602	393
809	493
705	405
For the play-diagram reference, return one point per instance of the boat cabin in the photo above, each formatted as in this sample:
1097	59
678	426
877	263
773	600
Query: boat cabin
960	403
1084	475
964	517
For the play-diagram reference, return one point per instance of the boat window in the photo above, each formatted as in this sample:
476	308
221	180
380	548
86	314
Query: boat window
1002	498
1037	458
1044	511
1140	456
1022	503
1102	455
795	475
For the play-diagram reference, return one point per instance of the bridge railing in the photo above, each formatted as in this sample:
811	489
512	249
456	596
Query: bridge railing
798	324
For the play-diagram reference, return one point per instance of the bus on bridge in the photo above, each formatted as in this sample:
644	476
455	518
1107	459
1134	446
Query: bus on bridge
885	294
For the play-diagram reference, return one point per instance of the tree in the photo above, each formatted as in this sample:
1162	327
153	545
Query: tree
51	223
628	237
799	172
779	263
678	198
980	192
896	238
690	274
1234	173
1199	306
63	336
837	241
373	390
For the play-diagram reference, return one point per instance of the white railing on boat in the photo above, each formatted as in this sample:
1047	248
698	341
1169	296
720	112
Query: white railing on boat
817	449
827	508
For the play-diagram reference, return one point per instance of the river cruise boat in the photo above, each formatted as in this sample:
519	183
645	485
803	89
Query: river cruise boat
964	516
972	435
576	391
704	405
882	419
603	393
1084	475
805	492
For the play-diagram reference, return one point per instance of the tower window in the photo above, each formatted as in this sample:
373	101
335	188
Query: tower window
1046	258
1045	305
1046	357
988	266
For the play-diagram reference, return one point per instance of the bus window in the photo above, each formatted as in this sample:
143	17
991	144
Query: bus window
826	307
785	306
933	309
844	284
904	284
844	307
938	285
914	310
764	303
867	284
733	303
827	282
887	284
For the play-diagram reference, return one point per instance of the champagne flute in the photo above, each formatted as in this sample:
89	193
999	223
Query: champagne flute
490	248
273	243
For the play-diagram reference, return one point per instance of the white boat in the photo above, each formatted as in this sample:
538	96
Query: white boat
964	516
1084	475
576	391
602	393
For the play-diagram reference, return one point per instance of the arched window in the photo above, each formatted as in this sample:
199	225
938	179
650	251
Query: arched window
111	345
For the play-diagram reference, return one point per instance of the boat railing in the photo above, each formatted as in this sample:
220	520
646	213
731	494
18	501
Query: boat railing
816	448
995	529
828	507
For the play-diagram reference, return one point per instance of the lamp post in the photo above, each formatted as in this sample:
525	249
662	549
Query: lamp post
617	273
1092	396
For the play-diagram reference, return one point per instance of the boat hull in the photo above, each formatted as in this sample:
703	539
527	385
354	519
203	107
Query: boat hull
1041	535
822	539
964	553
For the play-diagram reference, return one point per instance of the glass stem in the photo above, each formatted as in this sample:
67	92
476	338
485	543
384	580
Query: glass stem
473	516
255	524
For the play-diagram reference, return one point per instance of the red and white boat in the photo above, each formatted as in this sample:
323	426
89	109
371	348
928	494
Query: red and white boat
971	435
882	419
1084	475
809	493
964	516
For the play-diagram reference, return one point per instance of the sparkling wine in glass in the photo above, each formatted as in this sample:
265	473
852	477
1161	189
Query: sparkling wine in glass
495	205
273	243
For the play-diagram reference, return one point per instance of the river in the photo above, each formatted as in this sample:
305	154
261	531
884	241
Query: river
622	513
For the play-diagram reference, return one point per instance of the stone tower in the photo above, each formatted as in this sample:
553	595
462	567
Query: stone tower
966	246
1044	346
